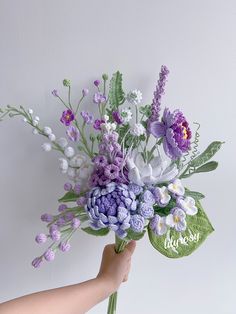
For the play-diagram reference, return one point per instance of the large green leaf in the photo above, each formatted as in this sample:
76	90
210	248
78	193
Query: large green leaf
69	197
209	166
177	244
196	195
116	93
210	151
100	232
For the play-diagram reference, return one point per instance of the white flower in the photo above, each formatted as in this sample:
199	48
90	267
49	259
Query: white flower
69	151
156	171
188	205
52	137
30	111
176	219
35	122
62	142
162	196
138	129
63	165
47	130
134	97
108	127
47	147
24	119
126	115
78	160
35	131
106	118
159	225
37	118
176	187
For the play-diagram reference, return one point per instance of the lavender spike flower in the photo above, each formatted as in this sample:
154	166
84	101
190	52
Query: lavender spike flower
160	89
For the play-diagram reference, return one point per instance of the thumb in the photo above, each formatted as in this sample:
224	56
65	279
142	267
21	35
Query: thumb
130	247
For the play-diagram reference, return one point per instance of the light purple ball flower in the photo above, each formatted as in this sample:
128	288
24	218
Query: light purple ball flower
69	216
37	262
136	189
77	188
175	131
64	246
41	238
85	92
75	223
61	222
55	235
88	118
81	201
68	186
100	161
148	197
55	93
72	133
53	228
47	218
49	255
62	207
117	117
137	223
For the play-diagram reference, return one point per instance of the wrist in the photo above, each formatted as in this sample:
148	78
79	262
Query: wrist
108	285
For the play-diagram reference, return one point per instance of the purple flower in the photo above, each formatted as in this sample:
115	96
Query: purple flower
117	117
47	218
64	246
55	235
136	189
67	117
100	161
137	223
75	223
156	103
176	219
77	188
85	92
97	124
93	181
148	197
62	207
67	186
61	222
146	210
96	83
69	216
81	201
175	131
55	93
41	238
37	262
158	225
99	98
111	171
72	133
103	180
118	161
49	255
88	118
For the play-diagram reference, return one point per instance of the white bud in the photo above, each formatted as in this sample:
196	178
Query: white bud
69	151
138	129
30	111
36	118
63	165
62	142
24	119
106	118
35	131
113	126
35	122
47	130
47	147
52	137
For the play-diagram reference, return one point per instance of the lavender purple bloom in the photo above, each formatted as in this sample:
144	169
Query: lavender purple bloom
97	124
72	133
67	117
88	118
99	98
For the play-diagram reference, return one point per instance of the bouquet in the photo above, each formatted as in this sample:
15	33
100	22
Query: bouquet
125	170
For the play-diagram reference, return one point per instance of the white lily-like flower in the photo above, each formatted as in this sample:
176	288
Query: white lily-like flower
176	187
188	205
154	172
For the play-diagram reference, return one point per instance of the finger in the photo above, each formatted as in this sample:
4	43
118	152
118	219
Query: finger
131	247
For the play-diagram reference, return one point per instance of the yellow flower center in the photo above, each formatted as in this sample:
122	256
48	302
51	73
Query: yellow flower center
185	134
67	117
176	219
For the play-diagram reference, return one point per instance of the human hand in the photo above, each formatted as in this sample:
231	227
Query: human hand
115	267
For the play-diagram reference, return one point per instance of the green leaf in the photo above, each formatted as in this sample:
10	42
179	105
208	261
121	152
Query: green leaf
210	166
211	150
182	244
196	195
145	110
135	235
69	197
116	93
100	232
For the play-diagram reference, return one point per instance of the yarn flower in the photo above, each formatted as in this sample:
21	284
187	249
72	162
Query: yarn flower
67	117
176	219
158	225
111	207
175	132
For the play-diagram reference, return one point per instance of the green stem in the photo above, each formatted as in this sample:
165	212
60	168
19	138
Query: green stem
119	247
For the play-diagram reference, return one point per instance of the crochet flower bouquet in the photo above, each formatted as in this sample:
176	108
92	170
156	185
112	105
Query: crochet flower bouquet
127	175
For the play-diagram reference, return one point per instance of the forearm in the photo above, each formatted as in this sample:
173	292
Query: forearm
74	299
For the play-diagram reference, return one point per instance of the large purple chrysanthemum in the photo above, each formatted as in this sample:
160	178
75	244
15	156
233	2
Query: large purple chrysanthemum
175	131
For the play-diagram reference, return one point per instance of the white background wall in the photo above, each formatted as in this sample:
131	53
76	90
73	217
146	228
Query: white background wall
43	42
